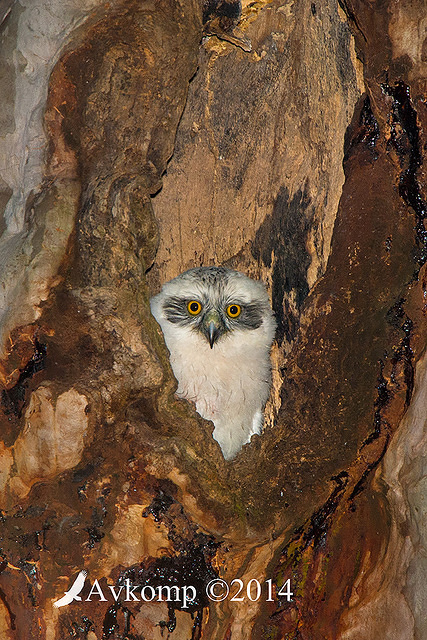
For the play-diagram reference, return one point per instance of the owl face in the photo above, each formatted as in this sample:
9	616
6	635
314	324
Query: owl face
214	301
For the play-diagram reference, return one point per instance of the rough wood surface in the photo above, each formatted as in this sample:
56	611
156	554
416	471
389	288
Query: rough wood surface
289	146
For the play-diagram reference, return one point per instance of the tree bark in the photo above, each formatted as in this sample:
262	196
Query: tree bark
285	140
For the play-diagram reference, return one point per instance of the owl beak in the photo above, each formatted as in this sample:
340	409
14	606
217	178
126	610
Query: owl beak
213	333
213	326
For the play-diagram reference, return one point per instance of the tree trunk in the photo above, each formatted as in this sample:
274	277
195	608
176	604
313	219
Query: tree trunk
285	140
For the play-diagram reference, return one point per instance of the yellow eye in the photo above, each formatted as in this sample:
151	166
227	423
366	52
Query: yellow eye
194	307
234	310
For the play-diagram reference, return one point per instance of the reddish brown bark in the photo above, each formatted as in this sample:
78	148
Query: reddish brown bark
104	468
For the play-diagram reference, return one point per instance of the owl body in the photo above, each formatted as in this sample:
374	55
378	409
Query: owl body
221	361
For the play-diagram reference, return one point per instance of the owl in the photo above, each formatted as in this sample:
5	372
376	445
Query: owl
218	326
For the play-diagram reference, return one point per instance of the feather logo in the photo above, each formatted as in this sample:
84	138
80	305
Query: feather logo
72	593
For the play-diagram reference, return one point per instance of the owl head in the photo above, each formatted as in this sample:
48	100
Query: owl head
215	302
